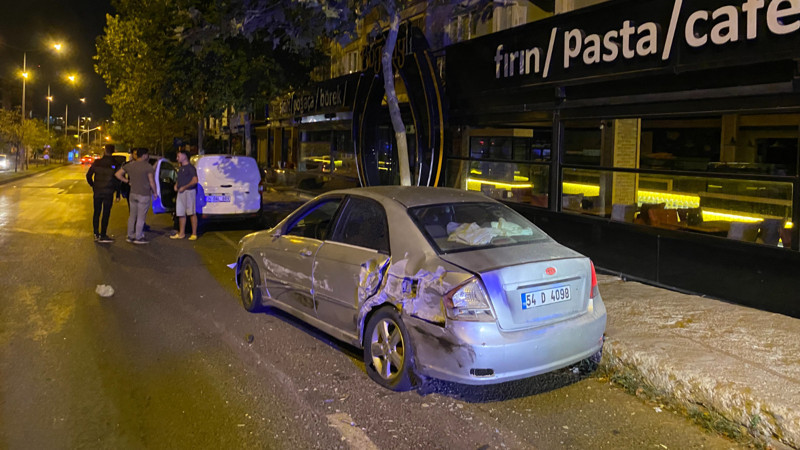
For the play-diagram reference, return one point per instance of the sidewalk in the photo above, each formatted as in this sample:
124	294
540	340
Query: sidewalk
733	367
8	176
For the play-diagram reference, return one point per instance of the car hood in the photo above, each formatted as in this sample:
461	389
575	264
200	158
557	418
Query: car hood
484	260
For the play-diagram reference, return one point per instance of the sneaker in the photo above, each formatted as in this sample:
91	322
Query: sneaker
105	239
96	237
141	241
129	239
146	227
193	237
177	236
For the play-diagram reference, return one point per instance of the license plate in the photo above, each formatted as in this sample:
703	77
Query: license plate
217	198
545	297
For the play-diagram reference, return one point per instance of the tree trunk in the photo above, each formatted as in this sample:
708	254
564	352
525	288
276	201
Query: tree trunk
200	130
394	104
248	136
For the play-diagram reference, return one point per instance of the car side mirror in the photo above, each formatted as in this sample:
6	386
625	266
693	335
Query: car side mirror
276	233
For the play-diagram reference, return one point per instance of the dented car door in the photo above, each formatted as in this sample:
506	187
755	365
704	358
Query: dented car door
288	261
350	264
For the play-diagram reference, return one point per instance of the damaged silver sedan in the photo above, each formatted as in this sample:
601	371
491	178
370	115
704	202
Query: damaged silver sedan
430	282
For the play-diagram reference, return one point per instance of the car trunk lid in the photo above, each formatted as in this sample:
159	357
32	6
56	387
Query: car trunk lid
531	285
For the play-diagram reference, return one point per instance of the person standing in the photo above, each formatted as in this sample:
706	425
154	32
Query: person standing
141	179
186	187
101	178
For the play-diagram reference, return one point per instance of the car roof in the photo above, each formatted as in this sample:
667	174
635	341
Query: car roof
411	196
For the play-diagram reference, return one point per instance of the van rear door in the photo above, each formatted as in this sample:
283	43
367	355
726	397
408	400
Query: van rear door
229	185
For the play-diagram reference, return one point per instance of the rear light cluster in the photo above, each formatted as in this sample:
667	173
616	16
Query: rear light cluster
595	289
468	301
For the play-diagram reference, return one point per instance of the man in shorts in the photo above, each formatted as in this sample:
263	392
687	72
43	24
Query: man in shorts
141	178
186	186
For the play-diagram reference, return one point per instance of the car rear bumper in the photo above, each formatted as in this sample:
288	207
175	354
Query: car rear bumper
480	353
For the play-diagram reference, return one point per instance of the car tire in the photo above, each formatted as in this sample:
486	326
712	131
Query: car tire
388	353
250	285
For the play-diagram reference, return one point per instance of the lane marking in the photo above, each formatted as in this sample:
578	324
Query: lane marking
226	239
354	436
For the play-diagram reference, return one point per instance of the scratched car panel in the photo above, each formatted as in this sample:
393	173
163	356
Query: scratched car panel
430	282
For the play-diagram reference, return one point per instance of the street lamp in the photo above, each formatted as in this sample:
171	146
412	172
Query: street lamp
57	47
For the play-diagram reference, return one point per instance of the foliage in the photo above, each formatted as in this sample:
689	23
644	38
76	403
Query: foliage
22	138
171	63
131	57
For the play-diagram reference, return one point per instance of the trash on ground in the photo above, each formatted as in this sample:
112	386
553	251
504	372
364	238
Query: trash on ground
104	290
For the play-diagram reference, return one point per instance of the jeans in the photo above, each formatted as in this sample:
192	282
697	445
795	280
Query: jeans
139	206
101	204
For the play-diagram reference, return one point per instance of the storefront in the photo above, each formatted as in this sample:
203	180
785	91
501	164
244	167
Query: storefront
307	142
658	137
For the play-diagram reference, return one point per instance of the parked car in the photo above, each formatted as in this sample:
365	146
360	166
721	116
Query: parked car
87	159
429	282
228	187
5	163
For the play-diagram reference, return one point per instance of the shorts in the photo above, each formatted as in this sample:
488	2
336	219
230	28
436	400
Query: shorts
185	204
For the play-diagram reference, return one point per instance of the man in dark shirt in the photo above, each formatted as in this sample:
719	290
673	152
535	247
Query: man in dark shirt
186	186
101	178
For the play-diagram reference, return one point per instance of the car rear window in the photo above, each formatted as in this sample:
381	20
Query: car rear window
455	227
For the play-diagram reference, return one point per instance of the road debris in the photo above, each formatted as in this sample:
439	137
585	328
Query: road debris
104	290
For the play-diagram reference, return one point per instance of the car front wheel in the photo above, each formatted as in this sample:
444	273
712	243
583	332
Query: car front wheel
250	285
388	355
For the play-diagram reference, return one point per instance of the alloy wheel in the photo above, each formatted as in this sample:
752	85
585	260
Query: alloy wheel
387	349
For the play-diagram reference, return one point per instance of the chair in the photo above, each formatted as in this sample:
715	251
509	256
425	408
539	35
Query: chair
770	231
743	231
644	216
622	213
663	218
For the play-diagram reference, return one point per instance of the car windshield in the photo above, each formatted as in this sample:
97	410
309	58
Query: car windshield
468	226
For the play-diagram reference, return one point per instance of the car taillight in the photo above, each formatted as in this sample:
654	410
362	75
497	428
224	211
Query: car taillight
468	301
595	290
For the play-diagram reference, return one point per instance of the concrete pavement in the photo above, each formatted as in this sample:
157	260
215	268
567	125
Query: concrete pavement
733	368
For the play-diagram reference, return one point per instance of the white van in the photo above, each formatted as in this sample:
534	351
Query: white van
228	187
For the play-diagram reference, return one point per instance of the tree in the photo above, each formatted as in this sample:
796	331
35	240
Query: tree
172	63
29	134
132	57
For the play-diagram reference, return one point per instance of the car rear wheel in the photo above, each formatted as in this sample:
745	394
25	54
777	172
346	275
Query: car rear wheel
250	285
388	355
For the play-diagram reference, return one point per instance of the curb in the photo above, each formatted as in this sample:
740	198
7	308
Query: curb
725	406
22	175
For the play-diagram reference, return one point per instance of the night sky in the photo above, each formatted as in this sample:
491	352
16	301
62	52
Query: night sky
30	25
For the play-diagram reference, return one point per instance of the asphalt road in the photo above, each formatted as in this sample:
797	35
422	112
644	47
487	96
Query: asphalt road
172	360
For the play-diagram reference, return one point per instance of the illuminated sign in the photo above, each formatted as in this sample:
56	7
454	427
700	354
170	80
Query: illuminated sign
626	36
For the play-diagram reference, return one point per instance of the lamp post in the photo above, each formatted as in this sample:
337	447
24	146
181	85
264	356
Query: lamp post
24	79
49	100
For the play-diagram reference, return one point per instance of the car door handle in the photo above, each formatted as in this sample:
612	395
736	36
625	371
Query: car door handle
226	185
305	252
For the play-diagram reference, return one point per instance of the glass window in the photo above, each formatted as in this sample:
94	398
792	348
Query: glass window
344	156
315	221
515	182
315	151
741	209
467	226
363	224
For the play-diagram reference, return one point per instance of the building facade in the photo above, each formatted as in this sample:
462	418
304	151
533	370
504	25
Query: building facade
659	137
